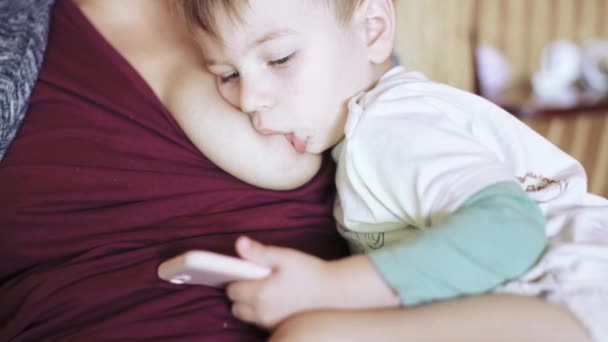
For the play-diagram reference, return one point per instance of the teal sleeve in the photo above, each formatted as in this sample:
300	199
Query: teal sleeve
495	236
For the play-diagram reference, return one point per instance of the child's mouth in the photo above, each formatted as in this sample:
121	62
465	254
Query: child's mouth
297	144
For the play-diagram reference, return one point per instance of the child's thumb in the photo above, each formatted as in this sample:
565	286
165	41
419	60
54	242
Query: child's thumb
255	252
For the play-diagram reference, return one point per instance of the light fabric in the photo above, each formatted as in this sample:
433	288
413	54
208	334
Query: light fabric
415	151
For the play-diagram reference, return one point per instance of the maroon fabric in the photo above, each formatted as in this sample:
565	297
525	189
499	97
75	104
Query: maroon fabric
101	186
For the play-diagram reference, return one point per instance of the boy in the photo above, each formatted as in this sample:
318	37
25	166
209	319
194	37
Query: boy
430	179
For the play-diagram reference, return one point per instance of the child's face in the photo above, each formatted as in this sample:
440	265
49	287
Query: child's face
292	67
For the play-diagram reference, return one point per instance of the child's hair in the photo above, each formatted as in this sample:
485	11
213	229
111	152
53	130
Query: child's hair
201	13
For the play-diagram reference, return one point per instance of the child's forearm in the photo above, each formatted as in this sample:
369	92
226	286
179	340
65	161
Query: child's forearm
479	249
356	283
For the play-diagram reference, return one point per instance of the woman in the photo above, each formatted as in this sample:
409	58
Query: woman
100	186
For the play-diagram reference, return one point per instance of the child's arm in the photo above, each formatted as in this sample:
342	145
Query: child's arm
435	168
497	235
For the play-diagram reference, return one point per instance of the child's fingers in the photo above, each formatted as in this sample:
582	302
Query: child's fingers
242	291
244	312
248	306
257	252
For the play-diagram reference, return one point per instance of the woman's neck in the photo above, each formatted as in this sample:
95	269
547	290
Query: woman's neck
145	21
139	29
131	12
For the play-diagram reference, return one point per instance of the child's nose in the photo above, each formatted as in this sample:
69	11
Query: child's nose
254	98
256	120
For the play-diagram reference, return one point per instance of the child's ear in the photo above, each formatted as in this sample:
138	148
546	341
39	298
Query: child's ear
380	25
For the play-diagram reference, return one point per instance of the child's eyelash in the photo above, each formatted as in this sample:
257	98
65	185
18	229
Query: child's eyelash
274	63
282	61
231	77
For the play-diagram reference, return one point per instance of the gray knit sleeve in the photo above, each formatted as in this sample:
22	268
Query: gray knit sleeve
24	26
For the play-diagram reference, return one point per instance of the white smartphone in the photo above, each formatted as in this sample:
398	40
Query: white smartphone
208	268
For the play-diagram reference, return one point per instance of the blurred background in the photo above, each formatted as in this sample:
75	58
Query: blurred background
546	61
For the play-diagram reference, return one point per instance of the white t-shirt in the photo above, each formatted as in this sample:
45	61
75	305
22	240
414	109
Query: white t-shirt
415	150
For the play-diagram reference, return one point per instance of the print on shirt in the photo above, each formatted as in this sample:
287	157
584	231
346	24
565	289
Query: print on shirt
362	242
540	188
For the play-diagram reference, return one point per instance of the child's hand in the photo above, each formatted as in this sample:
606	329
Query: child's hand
298	282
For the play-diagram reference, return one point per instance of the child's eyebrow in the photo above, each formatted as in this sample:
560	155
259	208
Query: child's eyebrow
259	41
270	36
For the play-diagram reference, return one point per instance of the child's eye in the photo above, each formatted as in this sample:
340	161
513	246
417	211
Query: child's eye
230	77
282	61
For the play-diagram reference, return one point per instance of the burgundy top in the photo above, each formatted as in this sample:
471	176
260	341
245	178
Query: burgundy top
101	185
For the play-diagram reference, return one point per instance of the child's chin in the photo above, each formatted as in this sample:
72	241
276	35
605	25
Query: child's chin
315	150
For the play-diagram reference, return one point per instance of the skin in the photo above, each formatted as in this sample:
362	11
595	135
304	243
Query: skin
178	78
268	64
495	318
